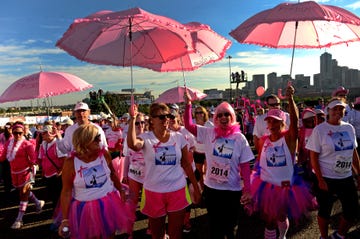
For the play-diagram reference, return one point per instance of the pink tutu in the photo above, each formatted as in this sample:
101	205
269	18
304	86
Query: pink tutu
101	218
272	201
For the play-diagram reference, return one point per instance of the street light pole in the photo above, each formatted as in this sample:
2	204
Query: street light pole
230	96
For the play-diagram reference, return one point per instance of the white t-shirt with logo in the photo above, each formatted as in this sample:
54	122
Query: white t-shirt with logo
335	145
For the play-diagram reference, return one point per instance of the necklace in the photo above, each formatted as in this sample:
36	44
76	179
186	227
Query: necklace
11	151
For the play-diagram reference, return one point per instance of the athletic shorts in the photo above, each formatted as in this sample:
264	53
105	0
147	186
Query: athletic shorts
342	189
20	179
156	205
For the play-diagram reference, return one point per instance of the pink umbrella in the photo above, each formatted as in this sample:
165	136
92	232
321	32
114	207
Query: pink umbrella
176	95
209	46
299	25
131	37
42	85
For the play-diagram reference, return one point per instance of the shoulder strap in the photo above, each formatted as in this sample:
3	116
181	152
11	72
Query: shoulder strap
51	161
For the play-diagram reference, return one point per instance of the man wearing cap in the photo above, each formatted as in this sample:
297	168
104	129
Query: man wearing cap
65	124
260	127
81	112
334	160
342	93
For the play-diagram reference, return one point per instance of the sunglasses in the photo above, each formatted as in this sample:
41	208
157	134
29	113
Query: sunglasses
17	133
162	117
274	104
198	113
226	114
140	122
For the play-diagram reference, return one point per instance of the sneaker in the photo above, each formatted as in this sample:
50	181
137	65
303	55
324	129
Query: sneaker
40	206
17	225
335	235
187	228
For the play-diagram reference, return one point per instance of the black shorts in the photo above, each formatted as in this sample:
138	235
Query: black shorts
199	158
342	189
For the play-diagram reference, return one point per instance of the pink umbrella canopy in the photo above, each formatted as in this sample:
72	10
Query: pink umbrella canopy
131	37
176	95
209	46
42	85
301	25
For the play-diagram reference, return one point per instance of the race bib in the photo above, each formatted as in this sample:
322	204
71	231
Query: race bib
342	164
137	169
219	172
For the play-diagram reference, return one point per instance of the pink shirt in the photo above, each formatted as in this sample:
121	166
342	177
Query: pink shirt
24	157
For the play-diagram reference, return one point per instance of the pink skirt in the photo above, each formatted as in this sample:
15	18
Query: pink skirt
274	202
101	218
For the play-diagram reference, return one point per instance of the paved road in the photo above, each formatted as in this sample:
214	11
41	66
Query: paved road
37	225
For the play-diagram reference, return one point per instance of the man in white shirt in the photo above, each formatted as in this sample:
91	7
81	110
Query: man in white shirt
81	112
260	127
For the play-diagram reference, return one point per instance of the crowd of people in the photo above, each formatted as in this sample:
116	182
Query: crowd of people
270	161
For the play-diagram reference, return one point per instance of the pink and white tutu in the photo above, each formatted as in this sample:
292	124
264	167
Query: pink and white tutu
272	201
101	218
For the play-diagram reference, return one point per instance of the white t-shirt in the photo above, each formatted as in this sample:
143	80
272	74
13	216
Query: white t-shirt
136	163
223	157
276	162
92	180
163	171
65	145
335	145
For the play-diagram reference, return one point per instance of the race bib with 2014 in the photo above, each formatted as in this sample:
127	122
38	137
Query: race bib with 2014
342	164
219	172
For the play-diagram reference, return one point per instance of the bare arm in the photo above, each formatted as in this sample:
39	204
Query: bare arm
314	159
133	142
356	167
292	135
186	165
66	192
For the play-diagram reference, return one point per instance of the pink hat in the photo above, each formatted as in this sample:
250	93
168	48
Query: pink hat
276	114
340	90
307	113
357	101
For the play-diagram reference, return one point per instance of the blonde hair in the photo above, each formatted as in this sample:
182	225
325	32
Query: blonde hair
206	114
83	137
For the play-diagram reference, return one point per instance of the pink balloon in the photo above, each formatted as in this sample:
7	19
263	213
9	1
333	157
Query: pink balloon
260	91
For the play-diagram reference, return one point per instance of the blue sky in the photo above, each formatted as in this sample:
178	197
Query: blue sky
30	29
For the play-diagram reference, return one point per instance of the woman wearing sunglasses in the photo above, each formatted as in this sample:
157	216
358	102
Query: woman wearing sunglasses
227	161
21	155
134	165
92	198
201	117
166	158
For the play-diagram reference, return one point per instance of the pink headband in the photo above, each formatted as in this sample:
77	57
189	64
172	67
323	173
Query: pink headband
18	126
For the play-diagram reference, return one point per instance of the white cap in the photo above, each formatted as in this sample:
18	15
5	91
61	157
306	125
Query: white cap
67	121
334	103
81	106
